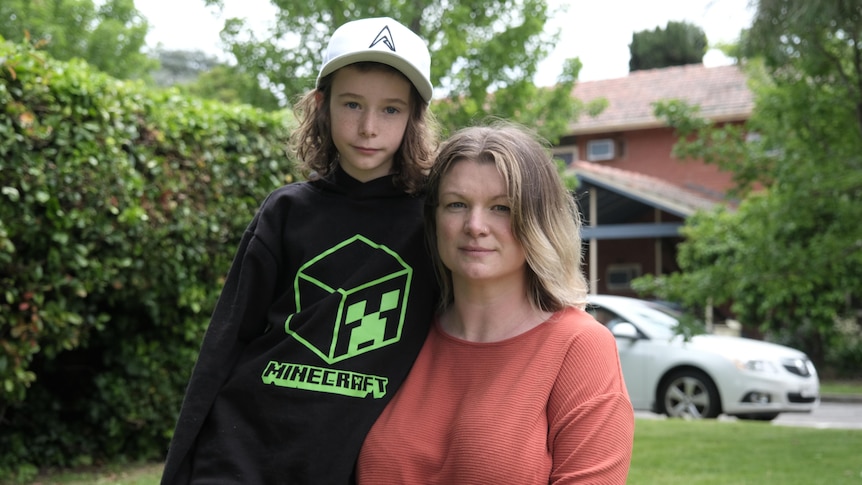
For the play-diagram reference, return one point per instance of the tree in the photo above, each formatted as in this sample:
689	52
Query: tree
790	257
205	76
678	44
231	85
484	54
110	37
181	66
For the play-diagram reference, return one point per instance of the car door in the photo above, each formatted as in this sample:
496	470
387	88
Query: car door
635	360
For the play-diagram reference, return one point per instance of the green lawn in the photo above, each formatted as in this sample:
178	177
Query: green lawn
140	474
674	452
677	452
841	387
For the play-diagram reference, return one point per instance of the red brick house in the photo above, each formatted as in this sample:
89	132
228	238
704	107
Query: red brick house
634	194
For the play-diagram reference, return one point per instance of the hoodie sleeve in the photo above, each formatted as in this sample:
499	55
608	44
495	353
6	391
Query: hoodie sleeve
239	315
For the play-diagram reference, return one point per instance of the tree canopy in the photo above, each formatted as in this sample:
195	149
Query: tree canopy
484	54
182	66
110	37
678	44
790	258
206	76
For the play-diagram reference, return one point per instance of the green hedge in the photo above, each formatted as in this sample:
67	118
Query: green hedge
120	210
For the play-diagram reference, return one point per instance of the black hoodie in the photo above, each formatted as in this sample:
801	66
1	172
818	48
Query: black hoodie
325	307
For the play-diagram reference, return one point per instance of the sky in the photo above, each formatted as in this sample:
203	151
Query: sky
597	31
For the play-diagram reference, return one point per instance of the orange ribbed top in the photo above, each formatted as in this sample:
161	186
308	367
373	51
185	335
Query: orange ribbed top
546	406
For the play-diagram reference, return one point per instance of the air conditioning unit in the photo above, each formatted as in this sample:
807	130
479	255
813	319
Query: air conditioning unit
603	149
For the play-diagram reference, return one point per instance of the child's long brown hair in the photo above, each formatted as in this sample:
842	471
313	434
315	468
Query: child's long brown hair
312	140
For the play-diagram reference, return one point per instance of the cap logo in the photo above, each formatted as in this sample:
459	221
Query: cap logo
384	36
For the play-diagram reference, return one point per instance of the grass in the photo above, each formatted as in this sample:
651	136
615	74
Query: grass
676	452
136	474
668	452
841	387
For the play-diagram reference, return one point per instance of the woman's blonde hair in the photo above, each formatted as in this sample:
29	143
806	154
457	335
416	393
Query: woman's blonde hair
545	217
312	140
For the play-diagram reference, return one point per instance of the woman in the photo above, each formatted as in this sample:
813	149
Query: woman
515	382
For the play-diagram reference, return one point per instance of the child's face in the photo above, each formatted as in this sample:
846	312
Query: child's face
369	110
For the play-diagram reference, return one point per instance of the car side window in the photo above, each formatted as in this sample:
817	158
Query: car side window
601	315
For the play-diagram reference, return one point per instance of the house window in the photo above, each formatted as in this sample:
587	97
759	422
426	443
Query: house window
598	150
620	276
567	154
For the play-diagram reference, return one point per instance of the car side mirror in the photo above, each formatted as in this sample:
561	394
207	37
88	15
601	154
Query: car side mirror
625	330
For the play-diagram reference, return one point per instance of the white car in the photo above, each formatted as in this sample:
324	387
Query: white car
706	375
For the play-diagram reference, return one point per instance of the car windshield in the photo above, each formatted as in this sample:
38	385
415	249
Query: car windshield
655	320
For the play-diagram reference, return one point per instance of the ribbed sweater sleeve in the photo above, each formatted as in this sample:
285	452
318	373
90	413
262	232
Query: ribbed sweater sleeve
590	417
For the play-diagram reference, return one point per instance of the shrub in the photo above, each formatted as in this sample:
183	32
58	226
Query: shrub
120	210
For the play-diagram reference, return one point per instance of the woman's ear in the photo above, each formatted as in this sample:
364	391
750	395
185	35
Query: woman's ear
318	98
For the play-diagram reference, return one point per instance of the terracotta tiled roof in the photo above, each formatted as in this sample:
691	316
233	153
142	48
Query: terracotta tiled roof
721	92
651	190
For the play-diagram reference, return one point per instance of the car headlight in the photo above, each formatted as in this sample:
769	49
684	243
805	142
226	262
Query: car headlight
800	367
754	365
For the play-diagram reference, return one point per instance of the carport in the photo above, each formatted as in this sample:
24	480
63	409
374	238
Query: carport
623	205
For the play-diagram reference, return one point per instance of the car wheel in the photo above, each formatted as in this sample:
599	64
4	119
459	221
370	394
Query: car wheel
757	417
689	394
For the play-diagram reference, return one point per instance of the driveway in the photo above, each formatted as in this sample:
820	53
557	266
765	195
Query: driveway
832	413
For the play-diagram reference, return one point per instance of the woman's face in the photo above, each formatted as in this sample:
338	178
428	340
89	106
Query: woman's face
474	226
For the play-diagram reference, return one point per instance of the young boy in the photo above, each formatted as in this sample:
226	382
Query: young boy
329	296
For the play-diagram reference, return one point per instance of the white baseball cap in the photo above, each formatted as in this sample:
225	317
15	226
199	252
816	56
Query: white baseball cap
382	40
